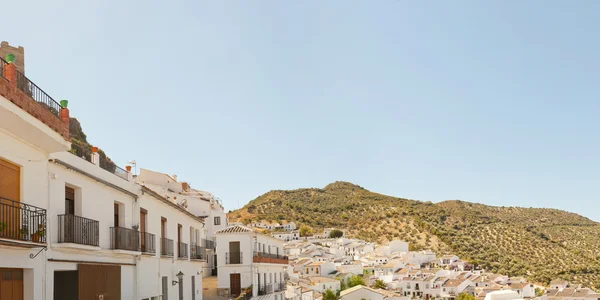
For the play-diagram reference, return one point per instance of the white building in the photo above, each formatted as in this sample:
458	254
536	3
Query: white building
287	236
100	231
321	284
247	258
319	268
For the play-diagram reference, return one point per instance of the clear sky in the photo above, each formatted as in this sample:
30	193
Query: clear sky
491	102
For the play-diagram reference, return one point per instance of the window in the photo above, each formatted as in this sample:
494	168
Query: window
217	220
69	201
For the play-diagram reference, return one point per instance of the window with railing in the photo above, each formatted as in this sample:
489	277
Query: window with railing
197	252
183	250
233	258
124	239
166	247
78	230
148	243
20	221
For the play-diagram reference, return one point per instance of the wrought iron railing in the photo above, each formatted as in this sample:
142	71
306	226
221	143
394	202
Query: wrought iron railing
182	250
124	239
81	151
32	90
110	166
197	252
148	243
78	230
166	247
269	255
208	244
21	221
233	258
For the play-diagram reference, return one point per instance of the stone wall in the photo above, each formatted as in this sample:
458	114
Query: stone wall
18	52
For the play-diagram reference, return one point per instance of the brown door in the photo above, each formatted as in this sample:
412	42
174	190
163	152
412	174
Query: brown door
235	284
116	209
179	240
143	214
10	196
99	282
234	253
11	284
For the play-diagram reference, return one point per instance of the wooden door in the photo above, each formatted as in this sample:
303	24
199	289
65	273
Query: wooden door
10	196
235	284
96	281
11	284
116	218
178	240
143	214
65	285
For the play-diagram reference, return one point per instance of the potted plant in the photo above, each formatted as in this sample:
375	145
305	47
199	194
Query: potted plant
38	235
94	149
64	103
135	227
24	232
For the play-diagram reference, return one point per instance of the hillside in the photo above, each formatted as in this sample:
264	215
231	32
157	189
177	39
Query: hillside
541	244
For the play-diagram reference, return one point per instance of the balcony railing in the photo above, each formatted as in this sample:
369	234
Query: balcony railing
166	247
81	151
148	243
182	250
233	258
20	221
78	230
110	166
124	239
32	90
209	244
279	286
262	257
197	252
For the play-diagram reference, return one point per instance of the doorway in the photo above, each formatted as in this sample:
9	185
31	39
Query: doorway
234	253
235	284
66	285
11	284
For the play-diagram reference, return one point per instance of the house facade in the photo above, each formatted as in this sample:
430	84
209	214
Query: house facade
247	258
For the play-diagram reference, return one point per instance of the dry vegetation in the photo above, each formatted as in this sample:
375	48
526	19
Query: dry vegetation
540	244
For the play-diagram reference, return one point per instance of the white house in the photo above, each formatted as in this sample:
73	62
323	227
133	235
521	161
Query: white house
363	292
503	295
398	246
319	268
524	289
321	284
246	258
287	236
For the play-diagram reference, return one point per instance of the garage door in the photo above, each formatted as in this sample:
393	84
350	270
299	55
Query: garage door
99	282
11	284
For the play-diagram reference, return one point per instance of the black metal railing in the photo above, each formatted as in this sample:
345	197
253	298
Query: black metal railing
279	286
147	243
182	250
32	90
233	258
78	230
110	166
81	151
20	221
197	252
166	247
209	244
124	239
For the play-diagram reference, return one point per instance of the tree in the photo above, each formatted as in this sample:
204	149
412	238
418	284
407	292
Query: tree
336	233
329	295
305	230
355	280
379	284
465	296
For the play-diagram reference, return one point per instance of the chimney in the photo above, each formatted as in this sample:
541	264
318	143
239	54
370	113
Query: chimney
185	186
174	177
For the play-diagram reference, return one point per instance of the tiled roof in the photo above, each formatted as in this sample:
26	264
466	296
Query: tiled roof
453	282
320	279
235	229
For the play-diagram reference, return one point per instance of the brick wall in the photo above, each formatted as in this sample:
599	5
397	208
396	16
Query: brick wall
9	91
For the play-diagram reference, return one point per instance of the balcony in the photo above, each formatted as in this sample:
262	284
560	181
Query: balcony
271	288
166	247
197	252
29	113
124	239
22	222
261	257
78	230
182	250
233	258
208	244
148	243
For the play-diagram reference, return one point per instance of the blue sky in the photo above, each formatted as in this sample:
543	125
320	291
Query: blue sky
495	103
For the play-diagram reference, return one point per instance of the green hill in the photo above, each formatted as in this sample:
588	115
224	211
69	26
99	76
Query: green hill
538	243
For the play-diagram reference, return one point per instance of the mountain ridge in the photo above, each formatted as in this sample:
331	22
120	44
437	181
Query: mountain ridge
539	243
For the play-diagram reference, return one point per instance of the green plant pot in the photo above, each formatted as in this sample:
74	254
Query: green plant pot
64	103
9	58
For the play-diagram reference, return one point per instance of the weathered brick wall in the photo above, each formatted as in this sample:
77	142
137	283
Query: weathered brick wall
9	91
19	54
